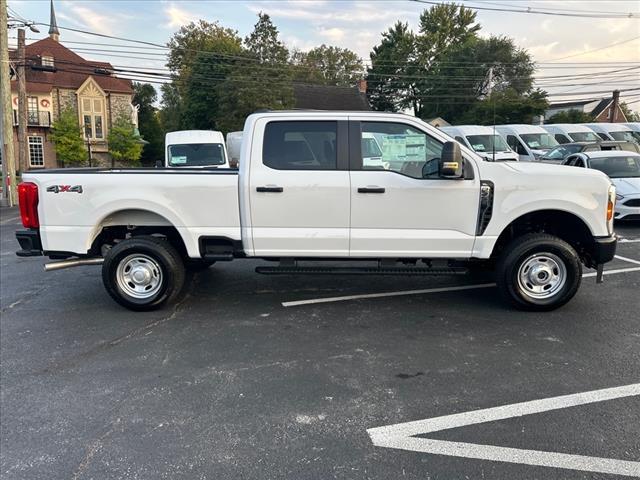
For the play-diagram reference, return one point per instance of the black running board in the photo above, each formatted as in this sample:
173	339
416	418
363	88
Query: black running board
411	271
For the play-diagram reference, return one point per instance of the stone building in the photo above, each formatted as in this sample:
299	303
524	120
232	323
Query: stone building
58	79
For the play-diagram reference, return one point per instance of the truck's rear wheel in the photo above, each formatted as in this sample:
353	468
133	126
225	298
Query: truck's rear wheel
539	272
143	273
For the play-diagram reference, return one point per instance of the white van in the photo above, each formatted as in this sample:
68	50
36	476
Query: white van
530	142
571	132
613	131
195	149
234	142
483	140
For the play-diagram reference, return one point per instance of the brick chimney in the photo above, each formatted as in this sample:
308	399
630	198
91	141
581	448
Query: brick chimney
362	86
614	106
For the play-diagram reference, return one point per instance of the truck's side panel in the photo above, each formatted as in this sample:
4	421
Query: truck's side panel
196	203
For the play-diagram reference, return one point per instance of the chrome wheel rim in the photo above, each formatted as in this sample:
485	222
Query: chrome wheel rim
139	276
541	276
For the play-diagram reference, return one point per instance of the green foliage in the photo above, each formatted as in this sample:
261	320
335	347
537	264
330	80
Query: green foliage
570	116
506	107
447	70
66	134
145	95
327	65
630	114
124	145
392	61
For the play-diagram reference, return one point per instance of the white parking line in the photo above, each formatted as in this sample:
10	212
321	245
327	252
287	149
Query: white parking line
346	298
403	435
630	260
627	240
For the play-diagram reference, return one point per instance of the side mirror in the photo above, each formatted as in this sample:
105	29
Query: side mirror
159	164
451	161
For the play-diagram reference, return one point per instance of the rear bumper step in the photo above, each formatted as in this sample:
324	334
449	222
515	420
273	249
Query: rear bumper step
415	271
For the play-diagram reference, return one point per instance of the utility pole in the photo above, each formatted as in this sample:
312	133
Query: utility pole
8	154
23	148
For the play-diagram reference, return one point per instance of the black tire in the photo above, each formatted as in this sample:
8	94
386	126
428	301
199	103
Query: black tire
157	260
196	265
529	272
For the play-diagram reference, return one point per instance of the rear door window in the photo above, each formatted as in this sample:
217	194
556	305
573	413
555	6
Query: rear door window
300	145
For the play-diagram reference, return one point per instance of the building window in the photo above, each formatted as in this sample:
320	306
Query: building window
92	117
36	152
47	61
32	111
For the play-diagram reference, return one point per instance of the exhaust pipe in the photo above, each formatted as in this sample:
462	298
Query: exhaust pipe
50	267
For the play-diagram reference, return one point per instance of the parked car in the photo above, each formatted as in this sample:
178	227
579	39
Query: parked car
195	149
303	193
635	126
558	154
613	131
530	142
485	141
571	132
623	168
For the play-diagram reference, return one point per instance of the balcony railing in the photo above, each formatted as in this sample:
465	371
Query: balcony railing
34	119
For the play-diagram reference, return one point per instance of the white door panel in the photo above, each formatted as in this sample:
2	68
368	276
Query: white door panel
309	217
413	217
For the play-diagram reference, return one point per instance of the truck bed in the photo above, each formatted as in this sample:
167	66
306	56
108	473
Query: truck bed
76	204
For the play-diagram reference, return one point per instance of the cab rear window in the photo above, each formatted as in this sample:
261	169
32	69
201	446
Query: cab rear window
300	145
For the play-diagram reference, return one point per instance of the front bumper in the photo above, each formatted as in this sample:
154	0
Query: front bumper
604	249
30	244
624	211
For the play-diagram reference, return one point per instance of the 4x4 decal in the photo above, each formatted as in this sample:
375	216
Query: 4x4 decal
65	188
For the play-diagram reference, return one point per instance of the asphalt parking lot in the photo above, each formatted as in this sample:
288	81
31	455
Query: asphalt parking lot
245	379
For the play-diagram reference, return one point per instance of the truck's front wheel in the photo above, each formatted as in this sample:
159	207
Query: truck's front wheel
143	273
539	272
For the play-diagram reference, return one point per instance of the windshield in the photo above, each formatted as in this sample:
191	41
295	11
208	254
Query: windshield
196	155
562	151
539	141
617	167
624	136
485	143
584	137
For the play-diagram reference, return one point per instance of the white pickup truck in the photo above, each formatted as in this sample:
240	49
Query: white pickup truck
303	192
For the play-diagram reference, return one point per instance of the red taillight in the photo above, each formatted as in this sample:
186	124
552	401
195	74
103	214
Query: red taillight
28	200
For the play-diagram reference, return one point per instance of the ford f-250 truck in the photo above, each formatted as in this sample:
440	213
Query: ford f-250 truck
303	192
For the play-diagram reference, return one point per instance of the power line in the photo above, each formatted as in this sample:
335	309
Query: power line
597	49
536	11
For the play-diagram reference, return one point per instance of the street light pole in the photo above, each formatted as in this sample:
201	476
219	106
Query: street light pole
8	154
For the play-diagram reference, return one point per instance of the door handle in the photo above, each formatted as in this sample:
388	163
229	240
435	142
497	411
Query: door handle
371	190
270	189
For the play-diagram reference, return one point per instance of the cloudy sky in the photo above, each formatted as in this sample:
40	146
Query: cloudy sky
358	24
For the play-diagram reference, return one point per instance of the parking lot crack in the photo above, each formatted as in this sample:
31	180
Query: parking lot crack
92	449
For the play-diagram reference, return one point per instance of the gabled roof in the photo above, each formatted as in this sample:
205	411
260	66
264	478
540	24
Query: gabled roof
329	97
601	106
71	70
577	103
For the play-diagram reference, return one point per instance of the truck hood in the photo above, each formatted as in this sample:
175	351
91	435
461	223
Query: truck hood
627	186
573	174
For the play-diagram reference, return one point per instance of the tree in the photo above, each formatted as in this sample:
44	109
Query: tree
124	144
261	80
66	134
171	109
571	116
474	70
446	69
507	107
630	115
388	80
200	57
327	65
145	95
